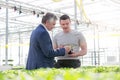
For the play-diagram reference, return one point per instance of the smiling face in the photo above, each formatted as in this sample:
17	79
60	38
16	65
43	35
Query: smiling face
65	24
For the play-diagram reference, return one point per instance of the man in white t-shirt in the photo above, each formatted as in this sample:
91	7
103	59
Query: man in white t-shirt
72	38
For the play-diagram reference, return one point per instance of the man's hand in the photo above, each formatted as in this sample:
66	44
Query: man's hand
67	48
73	54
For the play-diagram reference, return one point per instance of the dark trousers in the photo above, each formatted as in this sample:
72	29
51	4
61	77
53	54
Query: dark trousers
68	63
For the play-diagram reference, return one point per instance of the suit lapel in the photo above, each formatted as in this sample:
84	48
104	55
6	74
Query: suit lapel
46	32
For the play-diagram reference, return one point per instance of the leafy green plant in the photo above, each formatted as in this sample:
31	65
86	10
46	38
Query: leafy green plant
83	73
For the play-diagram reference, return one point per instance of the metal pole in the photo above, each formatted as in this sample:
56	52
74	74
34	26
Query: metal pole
75	13
119	48
94	46
19	49
0	53
6	41
98	45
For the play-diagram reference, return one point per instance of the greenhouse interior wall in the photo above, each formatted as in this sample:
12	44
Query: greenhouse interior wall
103	47
103	42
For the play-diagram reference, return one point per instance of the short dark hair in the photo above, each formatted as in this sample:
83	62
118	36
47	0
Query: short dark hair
48	16
64	17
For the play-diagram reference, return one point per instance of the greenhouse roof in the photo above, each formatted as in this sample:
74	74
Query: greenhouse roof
27	13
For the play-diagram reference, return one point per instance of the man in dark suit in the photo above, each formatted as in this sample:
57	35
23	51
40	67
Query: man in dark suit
41	52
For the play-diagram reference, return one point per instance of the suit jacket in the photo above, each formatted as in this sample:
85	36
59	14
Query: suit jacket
41	53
